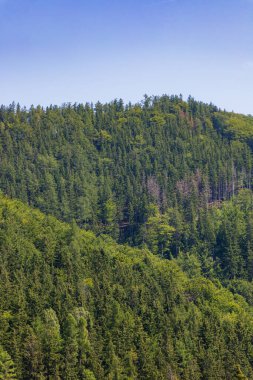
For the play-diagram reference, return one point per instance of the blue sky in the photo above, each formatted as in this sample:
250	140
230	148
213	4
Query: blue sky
55	51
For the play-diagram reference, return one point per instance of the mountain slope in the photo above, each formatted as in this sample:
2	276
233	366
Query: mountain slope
74	306
104	165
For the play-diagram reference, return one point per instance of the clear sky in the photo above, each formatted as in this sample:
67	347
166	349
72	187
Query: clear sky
55	51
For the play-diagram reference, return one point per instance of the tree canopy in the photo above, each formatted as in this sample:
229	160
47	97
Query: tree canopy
126	241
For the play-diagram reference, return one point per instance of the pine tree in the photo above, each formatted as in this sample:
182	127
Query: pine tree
7	369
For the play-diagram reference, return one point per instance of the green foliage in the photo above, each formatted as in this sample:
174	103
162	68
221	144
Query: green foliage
239	374
104	165
74	306
235	126
158	233
169	176
7	370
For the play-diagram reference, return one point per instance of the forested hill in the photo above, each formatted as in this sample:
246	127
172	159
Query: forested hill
74	306
107	166
171	177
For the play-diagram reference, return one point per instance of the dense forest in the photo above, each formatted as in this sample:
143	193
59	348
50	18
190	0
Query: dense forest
75	306
129	254
106	165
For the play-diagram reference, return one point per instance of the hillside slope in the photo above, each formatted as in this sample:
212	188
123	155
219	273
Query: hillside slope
104	165
74	306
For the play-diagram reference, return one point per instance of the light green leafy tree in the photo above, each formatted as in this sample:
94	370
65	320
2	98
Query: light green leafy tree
158	232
